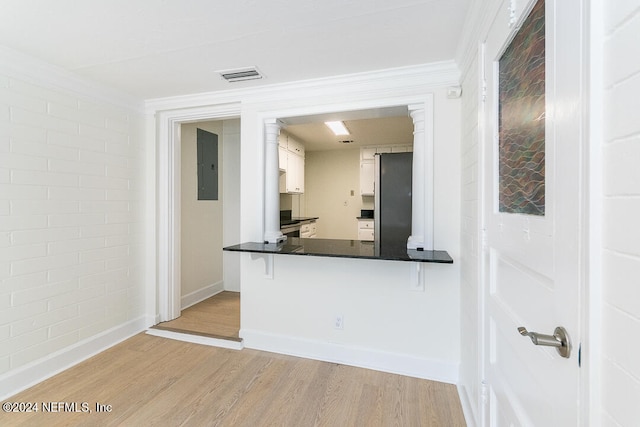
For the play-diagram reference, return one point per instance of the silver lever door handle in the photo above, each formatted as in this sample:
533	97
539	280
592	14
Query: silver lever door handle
560	340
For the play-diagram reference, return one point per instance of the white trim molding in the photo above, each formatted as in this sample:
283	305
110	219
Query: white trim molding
272	233
422	179
409	80
200	295
168	197
467	410
196	339
35	372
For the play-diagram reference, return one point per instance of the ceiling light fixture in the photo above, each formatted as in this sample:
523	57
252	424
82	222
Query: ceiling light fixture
338	128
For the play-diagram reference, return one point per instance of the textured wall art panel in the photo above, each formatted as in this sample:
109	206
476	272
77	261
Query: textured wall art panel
522	119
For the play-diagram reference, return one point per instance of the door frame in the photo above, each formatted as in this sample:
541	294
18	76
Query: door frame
588	340
168	205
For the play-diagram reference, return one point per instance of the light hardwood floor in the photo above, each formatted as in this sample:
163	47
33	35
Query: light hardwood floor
217	316
151	381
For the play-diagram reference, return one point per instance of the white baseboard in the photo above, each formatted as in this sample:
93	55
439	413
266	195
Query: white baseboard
197	339
39	370
467	408
395	363
201	294
153	320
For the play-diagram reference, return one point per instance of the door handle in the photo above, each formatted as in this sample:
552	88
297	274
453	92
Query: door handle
560	340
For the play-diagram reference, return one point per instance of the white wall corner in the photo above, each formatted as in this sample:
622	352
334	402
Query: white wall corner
201	294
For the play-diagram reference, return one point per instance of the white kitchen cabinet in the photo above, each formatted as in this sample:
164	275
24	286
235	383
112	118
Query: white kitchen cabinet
282	159
308	230
294	176
367	179
295	146
365	229
282	140
291	159
367	156
401	148
367	153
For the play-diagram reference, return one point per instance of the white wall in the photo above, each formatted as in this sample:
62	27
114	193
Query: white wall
387	326
201	220
621	234
72	204
330	176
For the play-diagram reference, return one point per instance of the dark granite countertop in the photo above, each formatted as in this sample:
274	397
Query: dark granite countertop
297	220
341	249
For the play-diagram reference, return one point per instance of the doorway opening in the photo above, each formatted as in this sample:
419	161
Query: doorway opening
204	296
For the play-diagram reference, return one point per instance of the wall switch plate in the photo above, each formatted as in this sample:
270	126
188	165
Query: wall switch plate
338	322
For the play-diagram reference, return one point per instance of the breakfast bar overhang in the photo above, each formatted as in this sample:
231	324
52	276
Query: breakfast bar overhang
337	248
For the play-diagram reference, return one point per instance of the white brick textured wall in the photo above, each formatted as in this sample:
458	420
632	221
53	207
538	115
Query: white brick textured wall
621	233
71	200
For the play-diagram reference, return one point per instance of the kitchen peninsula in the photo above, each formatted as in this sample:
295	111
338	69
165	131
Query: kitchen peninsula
337	248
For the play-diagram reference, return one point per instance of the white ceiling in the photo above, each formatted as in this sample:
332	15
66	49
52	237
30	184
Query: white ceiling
159	48
389	126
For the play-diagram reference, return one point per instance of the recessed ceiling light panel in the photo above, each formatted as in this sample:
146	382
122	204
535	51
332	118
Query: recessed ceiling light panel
338	128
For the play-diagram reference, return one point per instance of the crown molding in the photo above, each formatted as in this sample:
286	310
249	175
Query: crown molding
23	67
393	81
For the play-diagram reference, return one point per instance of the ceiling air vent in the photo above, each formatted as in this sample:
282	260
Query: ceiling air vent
241	74
346	141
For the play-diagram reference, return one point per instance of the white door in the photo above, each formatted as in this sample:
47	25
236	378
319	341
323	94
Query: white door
532	248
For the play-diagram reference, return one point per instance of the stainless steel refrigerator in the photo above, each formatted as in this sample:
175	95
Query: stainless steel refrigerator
392	215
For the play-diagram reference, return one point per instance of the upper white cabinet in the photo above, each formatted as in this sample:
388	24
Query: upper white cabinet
291	158
282	159
367	174
295	146
367	179
367	153
294	177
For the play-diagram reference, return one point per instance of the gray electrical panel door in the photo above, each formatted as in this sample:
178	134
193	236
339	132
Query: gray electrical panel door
207	165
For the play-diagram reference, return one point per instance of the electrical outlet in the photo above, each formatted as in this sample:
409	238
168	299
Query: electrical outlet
338	322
